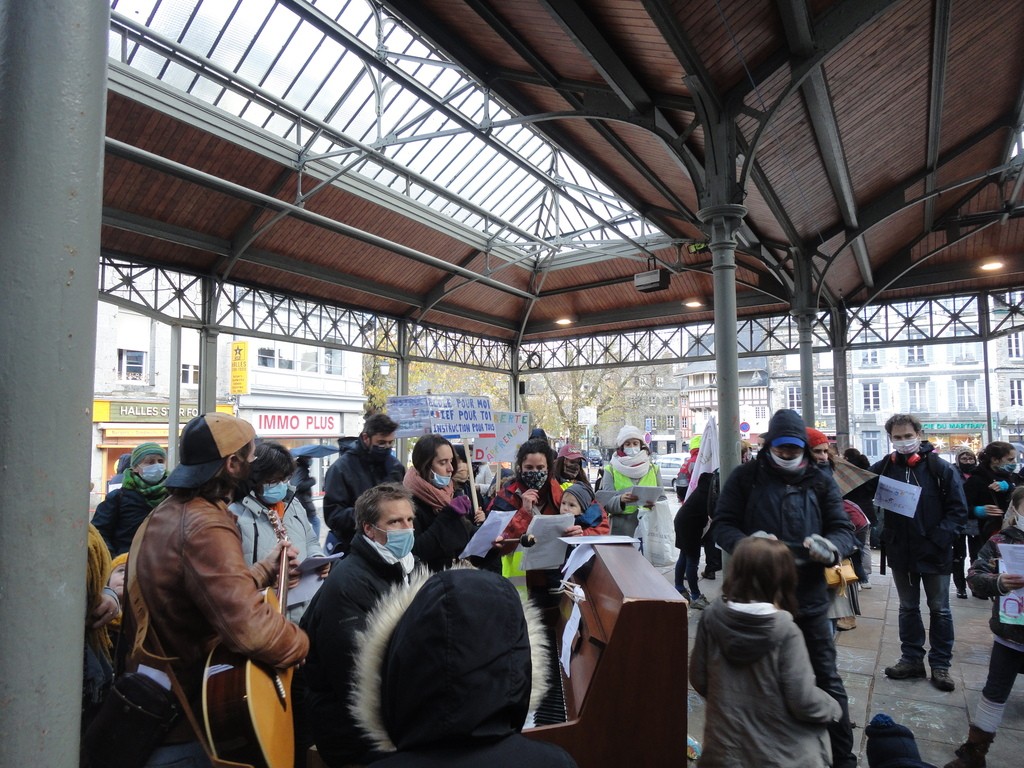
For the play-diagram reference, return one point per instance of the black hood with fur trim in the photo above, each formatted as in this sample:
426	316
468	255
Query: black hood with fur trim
450	660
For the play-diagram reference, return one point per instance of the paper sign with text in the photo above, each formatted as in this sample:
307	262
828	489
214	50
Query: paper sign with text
1011	605
453	415
512	429
897	497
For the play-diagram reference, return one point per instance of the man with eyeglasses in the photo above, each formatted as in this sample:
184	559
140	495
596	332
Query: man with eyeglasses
365	461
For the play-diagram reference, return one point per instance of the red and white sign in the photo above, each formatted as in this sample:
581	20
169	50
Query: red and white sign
296	424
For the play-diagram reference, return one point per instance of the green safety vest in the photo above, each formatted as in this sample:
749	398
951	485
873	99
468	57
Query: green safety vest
623	483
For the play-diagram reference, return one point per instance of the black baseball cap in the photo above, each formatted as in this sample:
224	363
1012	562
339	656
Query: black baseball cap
204	444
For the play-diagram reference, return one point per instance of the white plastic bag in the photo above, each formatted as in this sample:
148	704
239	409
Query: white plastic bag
657	534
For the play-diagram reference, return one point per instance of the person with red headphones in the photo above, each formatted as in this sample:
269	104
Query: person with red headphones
919	549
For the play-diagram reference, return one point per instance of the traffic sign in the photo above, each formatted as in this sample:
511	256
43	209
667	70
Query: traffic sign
744	426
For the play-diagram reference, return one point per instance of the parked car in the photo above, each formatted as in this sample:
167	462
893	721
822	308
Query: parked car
669	465
594	457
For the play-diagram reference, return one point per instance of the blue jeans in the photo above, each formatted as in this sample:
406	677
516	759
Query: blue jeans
940	625
187	755
686	569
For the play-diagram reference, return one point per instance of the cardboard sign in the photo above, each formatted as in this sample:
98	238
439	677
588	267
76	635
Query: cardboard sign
512	430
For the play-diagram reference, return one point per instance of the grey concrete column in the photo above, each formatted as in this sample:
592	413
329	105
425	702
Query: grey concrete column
52	110
723	221
208	347
804	323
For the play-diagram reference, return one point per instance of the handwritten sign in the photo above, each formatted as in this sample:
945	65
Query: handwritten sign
897	496
511	430
453	416
1011	605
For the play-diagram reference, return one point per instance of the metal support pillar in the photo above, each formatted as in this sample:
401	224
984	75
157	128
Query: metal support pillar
52	115
803	303
723	221
840	380
208	349
402	384
984	328
174	406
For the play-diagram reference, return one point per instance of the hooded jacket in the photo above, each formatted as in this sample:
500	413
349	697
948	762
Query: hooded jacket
449	667
924	543
978	494
348	477
335	614
759	496
756	676
984	576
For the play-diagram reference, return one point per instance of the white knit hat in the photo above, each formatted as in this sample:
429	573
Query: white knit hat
628	432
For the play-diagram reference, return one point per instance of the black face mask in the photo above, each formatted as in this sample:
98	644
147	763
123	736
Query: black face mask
379	453
967	465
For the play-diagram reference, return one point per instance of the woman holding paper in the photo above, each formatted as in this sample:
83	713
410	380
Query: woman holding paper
1007	659
444	522
630	466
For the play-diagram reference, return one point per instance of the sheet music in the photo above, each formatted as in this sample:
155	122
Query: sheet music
549	551
583	549
568	635
491	529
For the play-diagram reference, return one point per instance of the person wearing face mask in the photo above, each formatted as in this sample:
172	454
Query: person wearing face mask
630	465
380	558
121	513
569	467
533	490
1006	661
919	549
187	565
988	490
364	462
264	495
783	494
966	463
444	522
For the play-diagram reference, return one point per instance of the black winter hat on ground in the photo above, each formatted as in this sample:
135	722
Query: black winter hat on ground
891	745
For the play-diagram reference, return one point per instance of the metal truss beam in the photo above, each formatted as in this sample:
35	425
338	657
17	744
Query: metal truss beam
937	88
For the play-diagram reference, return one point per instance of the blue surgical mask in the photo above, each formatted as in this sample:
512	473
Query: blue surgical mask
274	492
400	541
1008	467
152	473
441	481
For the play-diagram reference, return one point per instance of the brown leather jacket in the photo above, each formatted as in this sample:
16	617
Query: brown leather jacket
199	589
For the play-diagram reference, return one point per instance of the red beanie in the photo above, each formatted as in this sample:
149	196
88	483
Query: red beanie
816	437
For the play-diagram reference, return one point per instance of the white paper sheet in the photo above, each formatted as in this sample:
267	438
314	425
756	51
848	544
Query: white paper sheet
482	541
549	551
1011	605
568	635
646	494
897	496
603	497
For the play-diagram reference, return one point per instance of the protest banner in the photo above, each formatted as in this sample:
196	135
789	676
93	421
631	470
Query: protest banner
450	415
512	429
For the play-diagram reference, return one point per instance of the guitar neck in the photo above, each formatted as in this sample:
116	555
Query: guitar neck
282	580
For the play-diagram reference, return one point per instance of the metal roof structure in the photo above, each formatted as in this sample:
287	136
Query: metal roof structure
491	167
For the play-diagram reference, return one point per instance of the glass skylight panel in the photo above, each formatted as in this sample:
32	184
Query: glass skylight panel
291	59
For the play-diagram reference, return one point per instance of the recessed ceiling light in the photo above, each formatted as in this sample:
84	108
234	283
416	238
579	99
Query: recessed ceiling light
990	266
564	321
693	302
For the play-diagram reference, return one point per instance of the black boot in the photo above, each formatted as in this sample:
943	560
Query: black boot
971	754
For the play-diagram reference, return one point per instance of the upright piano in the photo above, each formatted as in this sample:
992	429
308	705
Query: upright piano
625	699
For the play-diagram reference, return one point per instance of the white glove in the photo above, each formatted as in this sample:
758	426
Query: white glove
764	535
821	549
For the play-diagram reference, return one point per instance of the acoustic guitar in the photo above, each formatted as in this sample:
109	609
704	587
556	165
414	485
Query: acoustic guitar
247	707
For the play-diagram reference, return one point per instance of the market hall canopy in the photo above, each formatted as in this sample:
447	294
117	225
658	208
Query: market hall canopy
495	166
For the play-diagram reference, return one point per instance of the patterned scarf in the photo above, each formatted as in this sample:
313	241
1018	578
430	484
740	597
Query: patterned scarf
153	494
434	497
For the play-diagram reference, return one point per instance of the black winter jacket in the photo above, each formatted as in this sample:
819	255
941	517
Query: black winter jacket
924	543
118	517
347	478
984	574
978	494
440	536
758	496
334	616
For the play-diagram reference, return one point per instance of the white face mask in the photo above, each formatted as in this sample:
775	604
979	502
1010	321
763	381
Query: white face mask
906	446
631	451
1019	522
789	465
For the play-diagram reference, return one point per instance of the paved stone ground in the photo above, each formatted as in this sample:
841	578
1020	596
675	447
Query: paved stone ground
938	720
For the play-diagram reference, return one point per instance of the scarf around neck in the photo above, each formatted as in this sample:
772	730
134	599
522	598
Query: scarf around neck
153	494
633	467
434	497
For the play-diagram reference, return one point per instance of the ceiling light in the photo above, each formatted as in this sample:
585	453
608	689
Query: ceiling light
693	302
990	266
565	321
